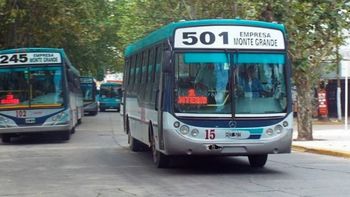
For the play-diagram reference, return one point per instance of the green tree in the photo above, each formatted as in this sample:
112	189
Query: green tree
86	29
140	17
313	28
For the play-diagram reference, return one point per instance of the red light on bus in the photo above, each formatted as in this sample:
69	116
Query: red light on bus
192	99
10	99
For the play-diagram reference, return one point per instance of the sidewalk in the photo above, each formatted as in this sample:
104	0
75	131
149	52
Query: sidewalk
330	138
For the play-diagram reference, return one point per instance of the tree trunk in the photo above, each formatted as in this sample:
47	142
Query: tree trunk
304	102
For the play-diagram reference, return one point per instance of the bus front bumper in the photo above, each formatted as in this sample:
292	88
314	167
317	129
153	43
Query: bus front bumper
109	105
179	145
90	108
35	129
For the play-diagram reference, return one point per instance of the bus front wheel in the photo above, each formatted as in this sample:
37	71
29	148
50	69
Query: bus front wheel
257	161
159	159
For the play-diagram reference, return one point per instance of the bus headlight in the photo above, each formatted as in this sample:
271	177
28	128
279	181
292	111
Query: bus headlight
2	120
278	129
269	131
6	122
184	129
194	132
61	118
176	124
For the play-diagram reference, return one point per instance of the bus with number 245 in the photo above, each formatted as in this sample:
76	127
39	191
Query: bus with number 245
216	87
39	92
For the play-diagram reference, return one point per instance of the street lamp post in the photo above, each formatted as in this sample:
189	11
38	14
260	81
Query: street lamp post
345	67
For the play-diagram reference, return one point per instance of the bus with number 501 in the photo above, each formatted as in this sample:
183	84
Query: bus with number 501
39	92
216	87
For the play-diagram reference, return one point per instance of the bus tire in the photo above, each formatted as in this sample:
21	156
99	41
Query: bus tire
159	159
257	161
72	131
6	138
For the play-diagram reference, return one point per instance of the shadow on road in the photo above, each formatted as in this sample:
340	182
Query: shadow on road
209	165
36	138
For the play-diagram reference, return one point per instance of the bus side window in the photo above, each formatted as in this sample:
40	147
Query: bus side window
132	72
149	80
144	67
157	66
138	68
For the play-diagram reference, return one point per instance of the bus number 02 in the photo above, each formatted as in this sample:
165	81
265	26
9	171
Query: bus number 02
205	38
209	134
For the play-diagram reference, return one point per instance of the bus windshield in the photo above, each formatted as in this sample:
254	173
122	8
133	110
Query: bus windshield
110	91
88	91
30	87
204	83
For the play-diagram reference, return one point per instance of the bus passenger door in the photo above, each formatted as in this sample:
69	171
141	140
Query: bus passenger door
164	71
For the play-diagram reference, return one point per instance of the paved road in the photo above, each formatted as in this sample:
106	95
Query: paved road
97	162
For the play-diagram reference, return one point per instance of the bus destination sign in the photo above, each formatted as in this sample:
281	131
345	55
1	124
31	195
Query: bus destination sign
229	37
30	58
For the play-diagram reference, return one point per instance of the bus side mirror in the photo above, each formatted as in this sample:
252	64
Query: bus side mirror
166	62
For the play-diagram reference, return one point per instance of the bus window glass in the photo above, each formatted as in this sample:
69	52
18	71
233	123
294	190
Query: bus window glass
110	91
261	85
202	83
88	91
31	87
46	85
14	89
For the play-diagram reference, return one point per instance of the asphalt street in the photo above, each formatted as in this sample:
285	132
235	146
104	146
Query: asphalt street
97	162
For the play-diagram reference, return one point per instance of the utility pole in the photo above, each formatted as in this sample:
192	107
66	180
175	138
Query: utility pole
338	84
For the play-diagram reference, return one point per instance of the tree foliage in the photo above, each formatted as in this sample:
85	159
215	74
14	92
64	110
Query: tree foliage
313	28
314	31
85	29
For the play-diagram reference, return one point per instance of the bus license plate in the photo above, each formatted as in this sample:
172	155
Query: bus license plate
237	134
30	120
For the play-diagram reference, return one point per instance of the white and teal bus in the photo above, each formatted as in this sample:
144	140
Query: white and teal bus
39	92
89	90
217	87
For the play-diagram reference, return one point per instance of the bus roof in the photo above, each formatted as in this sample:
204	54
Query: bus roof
26	50
168	30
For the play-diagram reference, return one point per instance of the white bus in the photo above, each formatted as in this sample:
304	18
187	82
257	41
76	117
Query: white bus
209	87
39	92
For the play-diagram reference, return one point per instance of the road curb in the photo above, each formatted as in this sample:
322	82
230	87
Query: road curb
321	151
